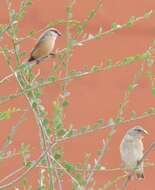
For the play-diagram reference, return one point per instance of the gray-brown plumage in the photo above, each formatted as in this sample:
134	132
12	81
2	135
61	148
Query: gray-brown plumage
131	150
44	45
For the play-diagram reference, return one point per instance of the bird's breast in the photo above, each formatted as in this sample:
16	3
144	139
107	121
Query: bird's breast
131	151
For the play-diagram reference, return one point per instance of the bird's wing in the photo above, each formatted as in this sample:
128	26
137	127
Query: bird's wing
37	43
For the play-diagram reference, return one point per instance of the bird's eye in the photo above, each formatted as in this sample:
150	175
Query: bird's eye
138	130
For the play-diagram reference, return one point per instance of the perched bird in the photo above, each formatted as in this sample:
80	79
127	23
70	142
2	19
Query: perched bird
44	45
131	150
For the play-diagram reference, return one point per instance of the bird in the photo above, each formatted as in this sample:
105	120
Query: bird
44	45
131	151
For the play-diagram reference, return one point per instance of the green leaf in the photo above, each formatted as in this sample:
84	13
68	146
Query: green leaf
131	21
7	114
98	124
83	129
26	184
29	164
24	149
153	91
91	14
65	103
119	120
128	60
4	115
1	155
53	78
115	26
22	10
37	93
133	115
69	166
72	43
25	153
45	122
72	73
79	29
80	179
34	105
58	153
149	74
32	33
55	23
111	122
151	110
109	63
131	87
70	132
146	55
48	130
58	118
94	68
148	14
69	11
6	54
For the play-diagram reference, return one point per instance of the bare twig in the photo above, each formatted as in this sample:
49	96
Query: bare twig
117	64
101	156
26	172
58	178
65	170
12	132
80	42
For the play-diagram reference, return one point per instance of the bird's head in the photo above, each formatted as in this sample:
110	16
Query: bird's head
137	131
53	32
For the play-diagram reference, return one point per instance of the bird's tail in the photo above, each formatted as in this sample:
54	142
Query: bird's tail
140	170
31	59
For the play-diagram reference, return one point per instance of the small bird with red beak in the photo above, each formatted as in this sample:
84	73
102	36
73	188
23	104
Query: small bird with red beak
131	150
44	45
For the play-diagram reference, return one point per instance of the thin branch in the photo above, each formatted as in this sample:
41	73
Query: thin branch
113	182
13	131
5	186
23	83
58	178
12	174
107	126
117	64
65	170
80	42
101	156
